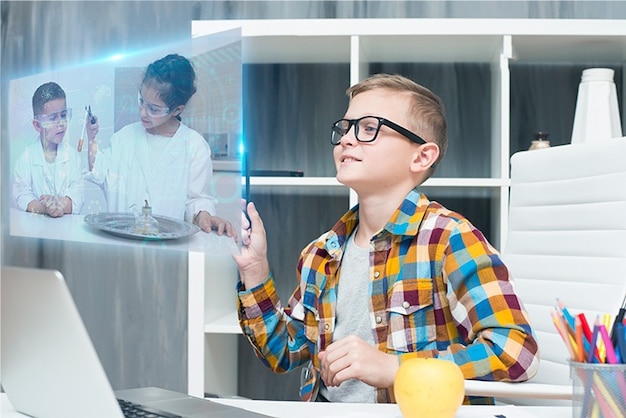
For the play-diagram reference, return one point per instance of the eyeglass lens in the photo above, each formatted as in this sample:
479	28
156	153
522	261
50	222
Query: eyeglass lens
365	129
152	110
53	119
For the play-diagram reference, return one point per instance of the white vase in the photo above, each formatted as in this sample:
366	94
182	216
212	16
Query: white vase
597	114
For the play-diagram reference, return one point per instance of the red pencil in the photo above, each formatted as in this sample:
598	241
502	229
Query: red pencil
589	335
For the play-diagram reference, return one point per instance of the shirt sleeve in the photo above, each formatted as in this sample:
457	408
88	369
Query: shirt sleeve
76	183
22	188
278	338
101	166
199	197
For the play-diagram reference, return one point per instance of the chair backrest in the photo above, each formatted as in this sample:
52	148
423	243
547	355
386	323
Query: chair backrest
567	238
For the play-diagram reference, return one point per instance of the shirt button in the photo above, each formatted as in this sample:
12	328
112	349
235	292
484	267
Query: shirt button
376	274
379	319
406	304
326	327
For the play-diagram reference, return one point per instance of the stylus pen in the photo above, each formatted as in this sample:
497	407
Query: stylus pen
618	320
246	192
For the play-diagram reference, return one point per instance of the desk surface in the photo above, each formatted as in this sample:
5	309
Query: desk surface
73	228
335	410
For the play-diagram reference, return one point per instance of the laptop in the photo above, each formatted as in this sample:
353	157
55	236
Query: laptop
50	369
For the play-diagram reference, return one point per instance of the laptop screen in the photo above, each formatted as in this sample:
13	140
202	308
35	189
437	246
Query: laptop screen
49	367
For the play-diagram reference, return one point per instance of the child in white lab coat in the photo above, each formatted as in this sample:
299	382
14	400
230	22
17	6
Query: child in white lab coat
159	159
48	177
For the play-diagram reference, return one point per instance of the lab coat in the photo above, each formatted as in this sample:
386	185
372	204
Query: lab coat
177	184
33	177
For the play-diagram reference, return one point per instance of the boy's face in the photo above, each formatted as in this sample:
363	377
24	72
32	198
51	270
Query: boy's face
385	162
52	122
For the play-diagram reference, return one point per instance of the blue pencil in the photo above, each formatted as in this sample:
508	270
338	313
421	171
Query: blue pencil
621	340
593	344
568	317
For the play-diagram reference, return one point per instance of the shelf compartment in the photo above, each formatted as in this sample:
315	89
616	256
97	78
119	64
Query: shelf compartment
226	324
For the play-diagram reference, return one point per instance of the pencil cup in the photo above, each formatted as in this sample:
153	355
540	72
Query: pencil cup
597	114
599	390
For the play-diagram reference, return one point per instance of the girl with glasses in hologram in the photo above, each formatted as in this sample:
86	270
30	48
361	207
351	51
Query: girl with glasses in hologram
159	159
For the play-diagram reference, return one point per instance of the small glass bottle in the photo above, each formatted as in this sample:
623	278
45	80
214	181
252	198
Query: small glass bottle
540	140
145	223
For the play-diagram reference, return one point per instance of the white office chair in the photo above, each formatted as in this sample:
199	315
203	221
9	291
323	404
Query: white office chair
566	240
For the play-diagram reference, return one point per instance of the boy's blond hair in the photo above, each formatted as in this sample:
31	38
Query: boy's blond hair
426	111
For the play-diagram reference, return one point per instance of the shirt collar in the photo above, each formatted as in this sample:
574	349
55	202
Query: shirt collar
408	216
405	220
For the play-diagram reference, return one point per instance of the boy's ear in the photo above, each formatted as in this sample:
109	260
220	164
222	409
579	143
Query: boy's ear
37	126
425	156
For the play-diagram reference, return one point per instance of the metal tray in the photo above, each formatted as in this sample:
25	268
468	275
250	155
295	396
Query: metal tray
123	225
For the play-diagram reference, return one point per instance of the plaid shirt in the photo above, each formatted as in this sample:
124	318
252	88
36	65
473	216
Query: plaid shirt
438	289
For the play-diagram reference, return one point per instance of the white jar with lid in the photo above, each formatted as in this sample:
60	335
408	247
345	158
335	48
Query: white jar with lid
597	114
540	140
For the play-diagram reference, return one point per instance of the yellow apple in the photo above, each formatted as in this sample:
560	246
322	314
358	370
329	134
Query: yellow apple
429	388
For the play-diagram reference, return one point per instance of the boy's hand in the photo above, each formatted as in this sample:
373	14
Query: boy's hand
34	206
353	358
252	261
54	205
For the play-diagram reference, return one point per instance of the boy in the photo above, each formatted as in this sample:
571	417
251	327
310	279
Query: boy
397	277
48	175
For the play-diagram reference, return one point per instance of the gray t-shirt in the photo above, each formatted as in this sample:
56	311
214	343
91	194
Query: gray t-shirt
353	317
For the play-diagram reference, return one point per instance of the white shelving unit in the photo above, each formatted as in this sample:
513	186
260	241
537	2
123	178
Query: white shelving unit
359	42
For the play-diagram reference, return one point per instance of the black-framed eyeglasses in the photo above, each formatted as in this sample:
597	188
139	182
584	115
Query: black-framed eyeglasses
366	129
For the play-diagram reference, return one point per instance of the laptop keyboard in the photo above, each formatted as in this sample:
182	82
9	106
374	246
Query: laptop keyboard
133	410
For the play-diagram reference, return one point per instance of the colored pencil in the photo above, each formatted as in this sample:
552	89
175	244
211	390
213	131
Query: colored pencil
580	349
608	345
560	327
618	320
568	317
594	345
